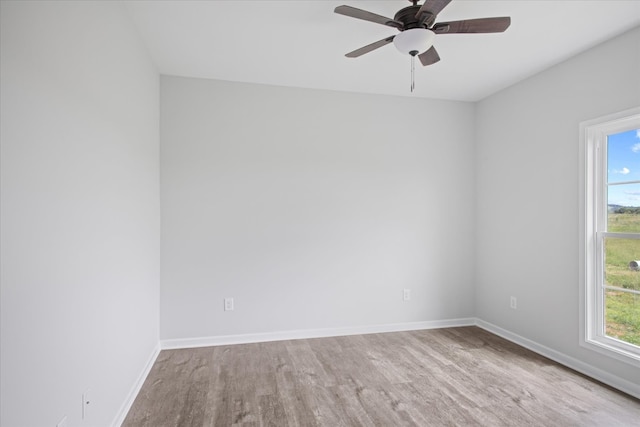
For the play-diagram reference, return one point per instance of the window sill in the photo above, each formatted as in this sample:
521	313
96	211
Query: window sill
612	349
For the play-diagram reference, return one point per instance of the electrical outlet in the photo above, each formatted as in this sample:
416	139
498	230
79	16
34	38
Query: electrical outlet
514	302
62	422
86	401
406	294
228	304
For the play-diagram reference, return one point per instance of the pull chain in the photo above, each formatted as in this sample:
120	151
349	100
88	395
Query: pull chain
413	54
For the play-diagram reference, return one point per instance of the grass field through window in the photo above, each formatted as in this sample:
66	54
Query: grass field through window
622	312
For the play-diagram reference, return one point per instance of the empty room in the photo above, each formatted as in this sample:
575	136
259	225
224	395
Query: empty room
319	213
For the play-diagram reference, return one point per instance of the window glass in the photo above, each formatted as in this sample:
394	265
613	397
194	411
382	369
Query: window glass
623	208
622	263
622	255
623	158
621	316
623	182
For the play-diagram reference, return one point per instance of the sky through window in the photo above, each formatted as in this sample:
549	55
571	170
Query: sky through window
623	156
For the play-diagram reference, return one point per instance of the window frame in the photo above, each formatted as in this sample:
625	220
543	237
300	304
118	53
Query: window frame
593	232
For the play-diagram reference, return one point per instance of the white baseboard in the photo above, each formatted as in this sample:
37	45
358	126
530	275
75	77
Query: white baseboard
133	393
311	333
614	381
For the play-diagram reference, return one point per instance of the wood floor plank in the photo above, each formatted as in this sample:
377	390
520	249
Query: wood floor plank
444	377
272	413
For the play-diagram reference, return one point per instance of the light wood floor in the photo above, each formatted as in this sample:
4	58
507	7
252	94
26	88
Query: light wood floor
442	377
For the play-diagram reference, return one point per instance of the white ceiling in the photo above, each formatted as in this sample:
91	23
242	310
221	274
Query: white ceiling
301	43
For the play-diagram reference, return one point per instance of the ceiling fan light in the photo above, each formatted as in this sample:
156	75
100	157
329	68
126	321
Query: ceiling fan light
414	40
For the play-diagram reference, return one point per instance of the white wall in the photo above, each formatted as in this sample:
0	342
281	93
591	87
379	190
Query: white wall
80	211
527	189
313	209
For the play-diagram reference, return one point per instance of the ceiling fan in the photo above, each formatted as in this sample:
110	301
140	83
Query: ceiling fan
418	28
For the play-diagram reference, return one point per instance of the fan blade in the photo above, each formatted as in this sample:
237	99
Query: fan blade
432	7
429	57
368	48
367	16
481	25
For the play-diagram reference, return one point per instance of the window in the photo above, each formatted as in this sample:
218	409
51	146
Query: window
610	235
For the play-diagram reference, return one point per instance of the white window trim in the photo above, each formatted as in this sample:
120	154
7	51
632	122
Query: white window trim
592	135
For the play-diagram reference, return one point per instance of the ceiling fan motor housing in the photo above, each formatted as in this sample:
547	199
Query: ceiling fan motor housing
408	17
